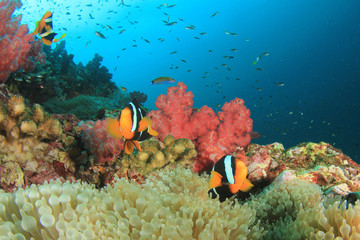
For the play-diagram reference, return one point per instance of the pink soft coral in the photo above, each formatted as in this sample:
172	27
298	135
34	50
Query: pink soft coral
213	135
98	142
17	47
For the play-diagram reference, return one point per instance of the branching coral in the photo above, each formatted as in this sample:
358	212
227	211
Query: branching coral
171	205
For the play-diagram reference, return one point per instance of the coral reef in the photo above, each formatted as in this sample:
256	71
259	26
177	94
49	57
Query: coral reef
139	96
87	107
319	163
26	156
101	146
172	204
155	155
213	135
18	49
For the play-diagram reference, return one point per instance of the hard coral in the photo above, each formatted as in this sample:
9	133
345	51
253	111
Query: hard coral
26	156
156	155
17	48
171	205
213	135
319	163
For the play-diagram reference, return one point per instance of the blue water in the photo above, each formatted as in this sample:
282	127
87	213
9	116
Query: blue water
313	48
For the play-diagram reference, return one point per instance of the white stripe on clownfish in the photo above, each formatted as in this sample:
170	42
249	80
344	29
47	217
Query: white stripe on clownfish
229	170
134	123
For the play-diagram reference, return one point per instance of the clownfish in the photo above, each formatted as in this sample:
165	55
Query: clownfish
44	27
133	125
228	176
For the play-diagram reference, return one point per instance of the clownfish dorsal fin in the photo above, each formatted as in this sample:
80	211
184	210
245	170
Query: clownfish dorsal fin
112	127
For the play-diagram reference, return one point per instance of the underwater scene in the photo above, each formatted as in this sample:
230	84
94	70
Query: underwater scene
153	119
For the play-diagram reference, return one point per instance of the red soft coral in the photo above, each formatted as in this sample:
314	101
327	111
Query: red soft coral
213	135
98	142
16	44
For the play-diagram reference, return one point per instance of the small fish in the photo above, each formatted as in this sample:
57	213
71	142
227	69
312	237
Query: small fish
109	27
99	34
197	38
191	27
234	50
161	39
234	34
162	80
44	28
123	88
260	56
87	43
173	52
91	16
228	176
214	14
280	84
123	30
132	125
170	23
259	69
147	41
183	60
202	33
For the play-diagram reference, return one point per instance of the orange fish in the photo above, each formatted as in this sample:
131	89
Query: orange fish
228	176
133	125
44	27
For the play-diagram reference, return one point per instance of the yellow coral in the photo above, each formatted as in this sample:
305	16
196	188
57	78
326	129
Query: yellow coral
50	129
155	210
28	128
38	113
156	155
16	106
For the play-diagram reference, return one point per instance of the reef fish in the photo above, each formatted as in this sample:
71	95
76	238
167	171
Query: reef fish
44	28
133	125
228	176
162	80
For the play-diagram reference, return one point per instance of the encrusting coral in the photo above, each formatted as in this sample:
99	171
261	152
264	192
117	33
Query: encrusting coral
25	152
22	127
172	204
156	155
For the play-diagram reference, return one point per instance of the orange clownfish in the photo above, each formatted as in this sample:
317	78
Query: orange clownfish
44	27
133	125
228	176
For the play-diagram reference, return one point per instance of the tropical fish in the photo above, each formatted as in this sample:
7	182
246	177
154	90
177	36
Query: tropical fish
228	176
162	80
44	27
99	34
133	125
214	14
